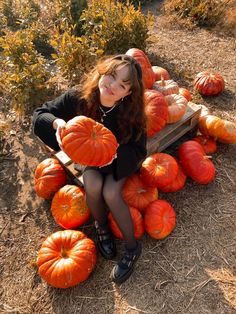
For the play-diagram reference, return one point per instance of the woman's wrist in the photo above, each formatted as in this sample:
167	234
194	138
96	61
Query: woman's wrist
58	122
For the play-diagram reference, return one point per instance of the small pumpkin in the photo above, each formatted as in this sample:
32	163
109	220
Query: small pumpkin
185	92
148	75
160	73
177	184
209	84
88	142
137	194
66	258
159	219
49	177
166	87
195	162
69	207
137	221
177	107
208	143
158	170
156	109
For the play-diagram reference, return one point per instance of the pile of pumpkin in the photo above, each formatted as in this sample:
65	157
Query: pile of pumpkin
68	257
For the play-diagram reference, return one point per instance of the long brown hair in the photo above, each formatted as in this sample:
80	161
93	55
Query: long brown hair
131	116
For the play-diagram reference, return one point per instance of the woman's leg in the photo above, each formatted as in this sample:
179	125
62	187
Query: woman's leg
93	184
112	192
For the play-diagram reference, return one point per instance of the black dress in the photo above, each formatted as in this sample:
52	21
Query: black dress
69	105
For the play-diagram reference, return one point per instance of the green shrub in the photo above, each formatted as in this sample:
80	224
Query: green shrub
73	54
198	12
26	76
115	27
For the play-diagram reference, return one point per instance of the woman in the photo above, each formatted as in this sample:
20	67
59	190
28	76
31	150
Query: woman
112	94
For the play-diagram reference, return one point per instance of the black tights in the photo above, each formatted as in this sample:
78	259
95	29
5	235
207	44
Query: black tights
104	191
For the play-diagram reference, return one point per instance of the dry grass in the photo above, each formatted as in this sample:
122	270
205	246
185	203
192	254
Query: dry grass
191	271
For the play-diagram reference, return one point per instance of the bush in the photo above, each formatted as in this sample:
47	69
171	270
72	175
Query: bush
115	27
198	12
73	54
26	77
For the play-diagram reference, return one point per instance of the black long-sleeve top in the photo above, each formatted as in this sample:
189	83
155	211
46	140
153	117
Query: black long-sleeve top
69	105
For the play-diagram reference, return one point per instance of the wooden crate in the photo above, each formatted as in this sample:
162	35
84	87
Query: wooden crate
167	136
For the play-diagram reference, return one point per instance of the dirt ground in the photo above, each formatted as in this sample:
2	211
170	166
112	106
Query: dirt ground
191	271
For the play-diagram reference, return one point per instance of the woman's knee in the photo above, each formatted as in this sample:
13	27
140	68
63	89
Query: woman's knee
112	192
93	184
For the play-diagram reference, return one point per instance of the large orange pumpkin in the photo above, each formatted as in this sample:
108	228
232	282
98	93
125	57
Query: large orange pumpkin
147	72
158	170
159	219
49	177
66	258
137	221
69	207
177	107
137	194
209	84
156	109
88	142
222	130
195	162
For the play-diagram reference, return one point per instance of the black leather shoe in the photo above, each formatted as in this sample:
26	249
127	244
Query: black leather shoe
105	241
125	266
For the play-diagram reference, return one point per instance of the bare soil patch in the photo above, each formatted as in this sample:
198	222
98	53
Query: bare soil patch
191	271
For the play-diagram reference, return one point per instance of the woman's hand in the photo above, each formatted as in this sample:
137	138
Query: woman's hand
59	125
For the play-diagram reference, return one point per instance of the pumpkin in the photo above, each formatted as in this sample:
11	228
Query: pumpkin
137	194
177	184
195	162
185	92
208	143
137	221
49	177
159	219
177	107
158	170
148	75
88	142
69	207
221	130
160	73
156	110
66	258
166	87
209	84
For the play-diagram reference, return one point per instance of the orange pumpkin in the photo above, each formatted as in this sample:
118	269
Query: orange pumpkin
158	170
88	142
137	221
49	177
166	87
66	258
159	219
177	107
69	207
195	162
185	92
209	84
156	109
147	72
177	184
137	194
208	143
222	130
160	73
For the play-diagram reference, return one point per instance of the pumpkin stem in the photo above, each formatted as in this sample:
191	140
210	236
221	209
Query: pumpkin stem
162	81
63	252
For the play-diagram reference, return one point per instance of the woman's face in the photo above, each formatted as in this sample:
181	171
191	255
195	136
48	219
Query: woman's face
113	87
